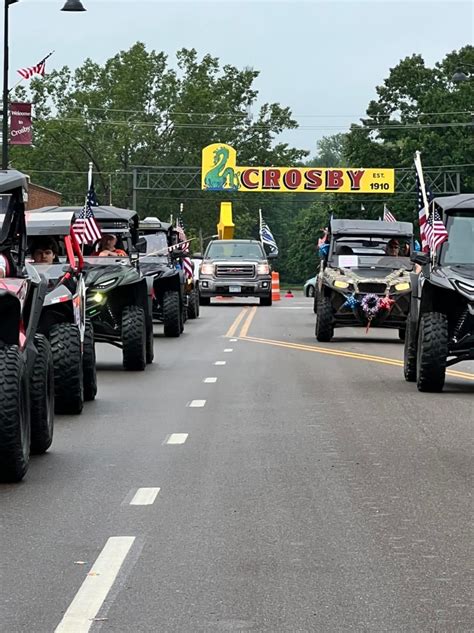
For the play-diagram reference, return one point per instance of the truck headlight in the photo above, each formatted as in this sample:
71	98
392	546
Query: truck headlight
207	269
263	269
341	284
405	285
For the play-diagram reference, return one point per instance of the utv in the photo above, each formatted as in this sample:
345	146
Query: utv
364	278
118	304
26	367
63	319
440	330
180	252
166	279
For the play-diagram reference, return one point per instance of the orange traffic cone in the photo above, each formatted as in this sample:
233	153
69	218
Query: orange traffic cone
289	295
275	286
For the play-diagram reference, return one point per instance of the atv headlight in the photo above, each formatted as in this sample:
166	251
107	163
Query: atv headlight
405	285
207	269
106	284
98	297
341	284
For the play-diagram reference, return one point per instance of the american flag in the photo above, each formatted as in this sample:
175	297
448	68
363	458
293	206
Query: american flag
39	69
85	227
432	230
388	215
184	245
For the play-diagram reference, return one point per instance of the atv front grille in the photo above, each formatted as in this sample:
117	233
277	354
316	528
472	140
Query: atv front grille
374	288
244	271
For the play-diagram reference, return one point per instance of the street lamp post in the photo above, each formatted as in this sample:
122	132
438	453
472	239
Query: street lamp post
70	5
459	75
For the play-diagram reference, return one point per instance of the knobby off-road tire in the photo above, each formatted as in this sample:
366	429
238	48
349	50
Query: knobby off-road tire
315	303
204	301
324	325
432	351
134	338
42	397
402	333
266	301
150	342
172	317
14	415
89	369
193	304
409	353
67	360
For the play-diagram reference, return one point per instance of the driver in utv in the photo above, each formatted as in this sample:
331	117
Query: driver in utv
107	247
44	250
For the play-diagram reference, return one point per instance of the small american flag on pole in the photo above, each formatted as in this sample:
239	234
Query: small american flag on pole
425	245
85	227
435	230
388	215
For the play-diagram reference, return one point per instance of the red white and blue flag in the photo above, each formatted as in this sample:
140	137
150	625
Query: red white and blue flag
432	230
85	227
388	215
186	262
31	71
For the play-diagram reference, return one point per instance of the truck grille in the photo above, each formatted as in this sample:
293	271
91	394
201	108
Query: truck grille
245	271
377	289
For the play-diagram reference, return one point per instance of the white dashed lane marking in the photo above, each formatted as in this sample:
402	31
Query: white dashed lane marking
144	496
197	403
228	349
210	379
220	362
80	614
234	340
177	438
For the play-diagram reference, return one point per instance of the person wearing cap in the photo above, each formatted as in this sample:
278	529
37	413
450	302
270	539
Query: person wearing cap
44	250
107	248
393	248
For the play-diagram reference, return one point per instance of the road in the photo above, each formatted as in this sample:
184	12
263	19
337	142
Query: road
305	488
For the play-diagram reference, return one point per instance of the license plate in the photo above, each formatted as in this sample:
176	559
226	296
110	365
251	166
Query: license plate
235	288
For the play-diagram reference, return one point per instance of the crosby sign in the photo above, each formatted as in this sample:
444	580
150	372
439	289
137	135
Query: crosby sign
220	173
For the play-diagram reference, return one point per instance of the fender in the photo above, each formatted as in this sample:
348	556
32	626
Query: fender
10	318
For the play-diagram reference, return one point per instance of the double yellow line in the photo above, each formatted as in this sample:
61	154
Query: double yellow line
245	312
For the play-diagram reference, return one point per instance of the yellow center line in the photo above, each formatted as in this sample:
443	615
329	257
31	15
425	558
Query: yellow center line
248	321
233	328
322	350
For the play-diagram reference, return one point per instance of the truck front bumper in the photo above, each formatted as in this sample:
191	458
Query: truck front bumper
212	287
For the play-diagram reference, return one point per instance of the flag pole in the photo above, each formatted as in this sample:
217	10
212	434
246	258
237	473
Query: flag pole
260	226
419	171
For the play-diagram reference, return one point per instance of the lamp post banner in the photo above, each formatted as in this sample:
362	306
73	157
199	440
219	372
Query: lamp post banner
21	131
221	173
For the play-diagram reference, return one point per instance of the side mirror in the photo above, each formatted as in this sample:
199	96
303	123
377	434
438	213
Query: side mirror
272	255
141	245
197	256
420	258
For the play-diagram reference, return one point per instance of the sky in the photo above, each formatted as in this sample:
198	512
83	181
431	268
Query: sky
322	59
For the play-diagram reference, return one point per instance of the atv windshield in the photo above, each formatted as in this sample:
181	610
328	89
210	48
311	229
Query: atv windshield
225	249
459	248
156	244
371	252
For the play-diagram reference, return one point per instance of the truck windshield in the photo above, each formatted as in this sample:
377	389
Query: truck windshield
458	250
227	250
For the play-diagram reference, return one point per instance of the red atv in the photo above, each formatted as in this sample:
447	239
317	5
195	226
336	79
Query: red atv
26	367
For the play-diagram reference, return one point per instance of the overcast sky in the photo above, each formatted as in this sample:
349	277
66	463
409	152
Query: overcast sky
323	59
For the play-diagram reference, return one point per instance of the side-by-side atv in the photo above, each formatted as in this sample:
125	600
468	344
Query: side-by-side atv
63	317
440	327
26	366
364	278
166	280
118	301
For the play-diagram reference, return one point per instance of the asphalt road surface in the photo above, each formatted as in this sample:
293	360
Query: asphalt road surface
292	487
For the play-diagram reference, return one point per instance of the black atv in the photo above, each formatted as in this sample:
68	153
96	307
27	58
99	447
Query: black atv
26	366
361	282
440	330
166	280
63	318
118	300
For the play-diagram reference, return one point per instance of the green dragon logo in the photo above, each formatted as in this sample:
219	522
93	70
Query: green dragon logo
221	177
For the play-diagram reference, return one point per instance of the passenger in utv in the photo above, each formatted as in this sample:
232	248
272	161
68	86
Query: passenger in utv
393	248
44	250
107	247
